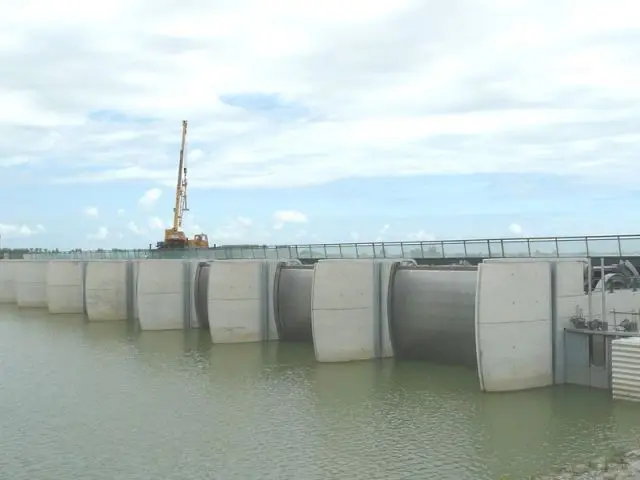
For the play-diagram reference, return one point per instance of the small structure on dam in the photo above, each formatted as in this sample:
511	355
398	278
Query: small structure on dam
521	323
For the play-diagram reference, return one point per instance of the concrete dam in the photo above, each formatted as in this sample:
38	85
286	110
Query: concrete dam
516	321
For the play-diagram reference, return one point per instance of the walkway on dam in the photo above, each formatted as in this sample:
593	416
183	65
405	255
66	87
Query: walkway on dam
586	246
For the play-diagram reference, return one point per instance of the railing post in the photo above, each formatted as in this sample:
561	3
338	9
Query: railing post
442	249
422	249
586	246
557	248
502	247
402	249
464	246
384	250
619	246
529	247
340	250
324	245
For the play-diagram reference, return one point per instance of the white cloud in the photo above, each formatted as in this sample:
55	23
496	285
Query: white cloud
282	217
421	236
156	223
120	212
100	234
15	231
135	229
383	233
238	230
247	222
400	87
515	229
91	212
150	198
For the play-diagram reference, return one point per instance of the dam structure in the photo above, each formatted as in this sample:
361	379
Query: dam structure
519	322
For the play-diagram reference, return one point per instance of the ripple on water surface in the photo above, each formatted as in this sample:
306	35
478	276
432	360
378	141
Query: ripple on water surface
103	401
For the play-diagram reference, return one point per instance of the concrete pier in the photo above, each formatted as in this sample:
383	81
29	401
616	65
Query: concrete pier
163	293
65	286
109	290
514	325
240	301
31	283
7	281
348	317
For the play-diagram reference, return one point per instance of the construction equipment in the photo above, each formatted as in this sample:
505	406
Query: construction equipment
174	237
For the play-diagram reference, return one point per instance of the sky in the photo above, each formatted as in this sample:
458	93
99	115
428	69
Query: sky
309	121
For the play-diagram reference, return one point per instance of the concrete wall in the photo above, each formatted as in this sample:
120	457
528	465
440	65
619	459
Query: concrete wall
162	295
514	340
65	286
109	290
7	281
240	301
348	310
31	283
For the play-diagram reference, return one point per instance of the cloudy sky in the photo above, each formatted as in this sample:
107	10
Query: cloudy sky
318	121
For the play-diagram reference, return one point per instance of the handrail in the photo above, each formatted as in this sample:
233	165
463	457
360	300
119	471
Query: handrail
550	247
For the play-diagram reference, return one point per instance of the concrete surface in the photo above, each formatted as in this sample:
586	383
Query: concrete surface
7	281
65	286
346	312
161	294
31	283
514	325
239	308
107	290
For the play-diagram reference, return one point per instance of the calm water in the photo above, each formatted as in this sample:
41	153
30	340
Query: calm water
100	401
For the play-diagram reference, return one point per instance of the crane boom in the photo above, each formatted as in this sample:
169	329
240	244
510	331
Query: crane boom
181	188
174	237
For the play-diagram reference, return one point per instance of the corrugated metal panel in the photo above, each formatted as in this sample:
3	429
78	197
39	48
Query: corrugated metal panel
625	369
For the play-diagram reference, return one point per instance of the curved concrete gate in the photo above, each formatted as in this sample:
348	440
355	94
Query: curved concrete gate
293	284
432	312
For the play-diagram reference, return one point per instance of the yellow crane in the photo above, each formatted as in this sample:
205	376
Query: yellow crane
174	237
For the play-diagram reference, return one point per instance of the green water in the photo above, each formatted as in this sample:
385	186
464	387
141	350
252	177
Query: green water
102	401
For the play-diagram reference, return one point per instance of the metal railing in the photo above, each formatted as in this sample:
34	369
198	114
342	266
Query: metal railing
550	247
